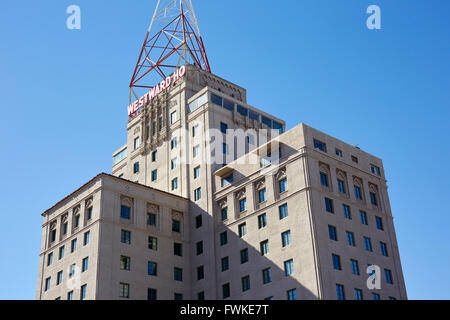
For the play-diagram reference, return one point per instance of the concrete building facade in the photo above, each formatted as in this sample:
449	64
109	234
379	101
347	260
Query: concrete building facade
210	198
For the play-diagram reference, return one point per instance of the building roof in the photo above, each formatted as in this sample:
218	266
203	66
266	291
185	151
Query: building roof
109	176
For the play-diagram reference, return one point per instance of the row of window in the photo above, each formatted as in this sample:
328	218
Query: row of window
72	271
329	207
245	285
152	294
73	248
83	292
322	146
76	218
358	293
351	240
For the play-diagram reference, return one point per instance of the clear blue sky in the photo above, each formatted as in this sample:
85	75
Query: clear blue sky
63	97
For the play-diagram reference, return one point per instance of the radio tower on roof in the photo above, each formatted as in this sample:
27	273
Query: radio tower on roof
173	39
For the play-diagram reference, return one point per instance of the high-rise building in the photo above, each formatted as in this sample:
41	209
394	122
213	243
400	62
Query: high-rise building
210	198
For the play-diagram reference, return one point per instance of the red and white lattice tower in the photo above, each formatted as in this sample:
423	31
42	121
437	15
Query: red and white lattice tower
173	39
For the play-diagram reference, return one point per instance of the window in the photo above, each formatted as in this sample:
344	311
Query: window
151	219
198	221
283	210
354	266
367	244
336	262
379	223
178	249
373	199
155	175
125	237
178	274
59	277
225	262
47	283
329	205
332	233
320	145
358	194
223	128
65	226
262	221
223	238
264	245
242	111
383	248
200	273
195	130
89	213
136	167
154	156
173	143
375	170
83	290
354	159
245	283
262	195
199	246
70	295
341	186
350	238
125	212
61	252
152	243
291	294
151	294
226	290
197	194
375	296
196	172
86	238
53	235
392	298
242	205
358	294
125	263
324	179
267	275
72	271
173	163
347	213
286	238
85	264
242	230
288	267
76	222
283	185
124	290
136	143
224	148
224	214
340	292
227	180
388	276
49	259
177	296
152	268
176	225
196	151
173	117
244	256
363	215
73	245
174	184
339	153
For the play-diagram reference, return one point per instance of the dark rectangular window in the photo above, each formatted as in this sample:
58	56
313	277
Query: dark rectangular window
227	180
283	185
355	267
125	212
262	195
198	221
178	274
329	205
196	172
266	121
242	111
341	186
262	221
267	275
200	273
125	237
152	243
73	245
136	167
347	213
199	248
224	214
320	145
245	283
350	238
151	219
288	267
244	256
286	238
388	276
383	248
340	292
324	179
379	222
86	238
242	205
367	244
216	99
225	263
176	225
358	194
85	264
155	175
125	263
336	262
152	268
339	153
373	199
223	128
283	210
354	159
291	294
229	105
332	233
178	249
223	238
264	246
242	229
151	294
358	294
201	296
253	115
363	216
226	290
